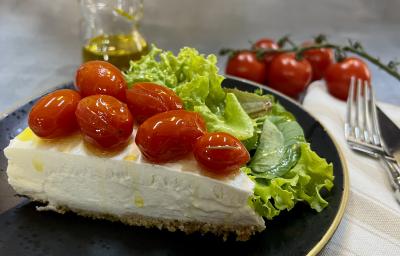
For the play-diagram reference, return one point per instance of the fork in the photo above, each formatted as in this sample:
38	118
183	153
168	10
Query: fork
361	129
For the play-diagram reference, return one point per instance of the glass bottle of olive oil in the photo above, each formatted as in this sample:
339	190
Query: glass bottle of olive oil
116	49
110	31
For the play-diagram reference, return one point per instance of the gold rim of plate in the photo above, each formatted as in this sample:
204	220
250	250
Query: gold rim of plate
346	189
345	196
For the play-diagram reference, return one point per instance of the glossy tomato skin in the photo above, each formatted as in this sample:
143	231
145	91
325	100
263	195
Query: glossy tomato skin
338	76
54	114
104	121
147	99
320	60
288	75
170	135
246	65
267	44
220	153
100	77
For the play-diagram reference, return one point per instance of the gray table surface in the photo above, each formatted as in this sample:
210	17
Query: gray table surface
40	42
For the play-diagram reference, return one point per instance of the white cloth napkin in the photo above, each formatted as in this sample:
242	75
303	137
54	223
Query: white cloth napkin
371	223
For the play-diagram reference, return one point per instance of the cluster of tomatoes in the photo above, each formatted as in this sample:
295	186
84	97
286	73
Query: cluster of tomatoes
104	110
291	76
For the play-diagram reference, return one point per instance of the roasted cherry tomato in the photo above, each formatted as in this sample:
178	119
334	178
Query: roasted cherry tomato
147	99
220	153
267	44
246	65
104	120
169	135
54	114
338	76
288	75
100	77
320	60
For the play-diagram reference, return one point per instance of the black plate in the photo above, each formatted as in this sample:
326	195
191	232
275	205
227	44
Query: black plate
300	231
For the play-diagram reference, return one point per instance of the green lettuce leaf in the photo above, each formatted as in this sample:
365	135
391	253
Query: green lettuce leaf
234	119
254	104
278	149
303	183
196	81
260	107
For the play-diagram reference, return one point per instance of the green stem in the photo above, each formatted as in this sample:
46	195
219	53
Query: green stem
358	52
286	39
300	50
373	60
268	51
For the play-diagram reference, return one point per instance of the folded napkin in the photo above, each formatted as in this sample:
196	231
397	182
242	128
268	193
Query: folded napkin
371	223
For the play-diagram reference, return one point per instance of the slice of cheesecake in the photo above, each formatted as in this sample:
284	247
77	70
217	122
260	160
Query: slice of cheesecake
68	175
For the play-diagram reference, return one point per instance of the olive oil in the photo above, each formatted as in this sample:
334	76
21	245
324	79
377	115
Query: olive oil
116	49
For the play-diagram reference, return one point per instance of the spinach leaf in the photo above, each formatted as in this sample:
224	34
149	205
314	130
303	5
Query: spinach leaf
278	149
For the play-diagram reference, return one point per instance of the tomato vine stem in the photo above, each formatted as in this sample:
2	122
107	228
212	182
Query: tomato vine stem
352	47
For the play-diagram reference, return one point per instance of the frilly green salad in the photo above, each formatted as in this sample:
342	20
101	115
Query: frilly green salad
283	166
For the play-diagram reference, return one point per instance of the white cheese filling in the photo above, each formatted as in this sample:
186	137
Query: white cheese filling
67	173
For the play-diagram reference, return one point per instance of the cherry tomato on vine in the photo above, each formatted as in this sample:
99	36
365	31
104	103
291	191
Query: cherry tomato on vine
147	99
246	65
338	76
169	135
267	44
220	153
320	60
54	114
100	77
288	75
104	121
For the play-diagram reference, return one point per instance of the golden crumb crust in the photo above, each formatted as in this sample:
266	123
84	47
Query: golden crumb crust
241	232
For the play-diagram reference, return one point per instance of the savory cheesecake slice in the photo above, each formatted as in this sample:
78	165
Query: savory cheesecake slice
67	174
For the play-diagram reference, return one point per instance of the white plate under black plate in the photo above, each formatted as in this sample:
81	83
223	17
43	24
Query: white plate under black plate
25	231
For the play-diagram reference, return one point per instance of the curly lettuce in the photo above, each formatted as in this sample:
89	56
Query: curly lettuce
284	167
196	81
302	183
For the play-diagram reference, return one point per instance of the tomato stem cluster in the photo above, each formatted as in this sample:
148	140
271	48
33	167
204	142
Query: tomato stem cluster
320	42
286	40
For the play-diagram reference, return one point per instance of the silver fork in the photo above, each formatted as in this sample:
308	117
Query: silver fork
361	129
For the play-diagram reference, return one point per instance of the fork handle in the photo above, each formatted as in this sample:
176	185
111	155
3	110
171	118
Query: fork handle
371	153
394	175
396	156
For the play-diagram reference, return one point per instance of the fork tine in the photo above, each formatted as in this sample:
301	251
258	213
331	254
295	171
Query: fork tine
348	125
367	114
375	127
357	128
361	124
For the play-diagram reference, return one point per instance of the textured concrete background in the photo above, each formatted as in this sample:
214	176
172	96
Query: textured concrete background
40	42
